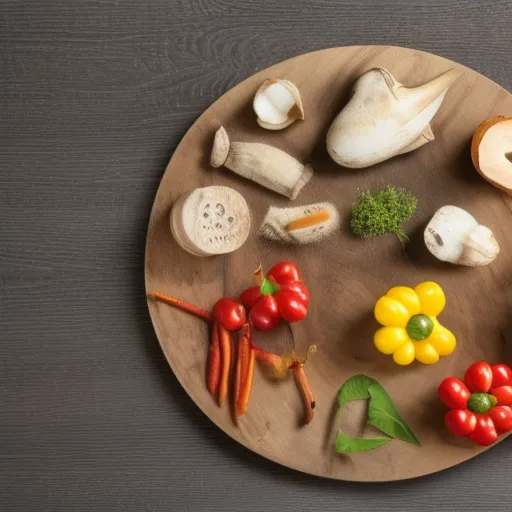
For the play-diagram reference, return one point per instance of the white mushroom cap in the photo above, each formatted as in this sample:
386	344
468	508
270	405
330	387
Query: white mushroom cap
277	104
454	235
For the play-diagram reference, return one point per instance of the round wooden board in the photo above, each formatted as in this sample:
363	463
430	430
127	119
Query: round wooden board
345	275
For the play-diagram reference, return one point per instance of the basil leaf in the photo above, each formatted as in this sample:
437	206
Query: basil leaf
356	388
347	444
382	414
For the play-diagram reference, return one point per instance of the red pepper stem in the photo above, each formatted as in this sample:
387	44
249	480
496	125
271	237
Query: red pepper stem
185	306
260	275
267	287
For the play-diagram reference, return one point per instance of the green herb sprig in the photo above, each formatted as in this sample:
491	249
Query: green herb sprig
382	212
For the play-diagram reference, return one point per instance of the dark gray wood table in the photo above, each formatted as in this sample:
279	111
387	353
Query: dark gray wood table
94	97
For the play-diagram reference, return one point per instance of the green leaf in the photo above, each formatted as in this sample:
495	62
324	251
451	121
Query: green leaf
382	414
347	444
356	388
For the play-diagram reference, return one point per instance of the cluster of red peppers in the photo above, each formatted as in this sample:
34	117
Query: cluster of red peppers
280	295
481	405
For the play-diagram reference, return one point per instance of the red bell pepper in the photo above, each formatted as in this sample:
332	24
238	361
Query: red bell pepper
481	404
281	294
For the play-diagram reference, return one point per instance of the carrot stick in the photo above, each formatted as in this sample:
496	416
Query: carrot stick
245	389
240	348
242	367
308	220
309	400
235	388
214	362
225	355
185	306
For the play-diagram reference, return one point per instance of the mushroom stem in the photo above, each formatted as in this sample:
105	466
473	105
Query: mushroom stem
454	235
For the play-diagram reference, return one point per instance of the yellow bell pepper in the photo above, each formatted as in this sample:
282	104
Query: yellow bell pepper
410	326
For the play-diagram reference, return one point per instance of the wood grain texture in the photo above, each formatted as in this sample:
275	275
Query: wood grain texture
345	276
94	97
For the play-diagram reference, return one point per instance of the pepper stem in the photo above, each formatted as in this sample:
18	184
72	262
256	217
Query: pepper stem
267	287
260	275
303	358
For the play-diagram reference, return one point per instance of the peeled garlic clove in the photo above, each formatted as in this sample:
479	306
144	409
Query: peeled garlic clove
384	118
277	104
266	165
454	235
211	220
301	224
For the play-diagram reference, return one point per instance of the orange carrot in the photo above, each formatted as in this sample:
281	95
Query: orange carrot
225	354
240	348
214	363
185	306
242	367
246	386
236	379
309	400
308	220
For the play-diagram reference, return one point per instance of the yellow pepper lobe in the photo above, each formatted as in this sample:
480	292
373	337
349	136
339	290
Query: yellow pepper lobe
426	353
405	354
432	299
389	339
407	296
390	312
442	340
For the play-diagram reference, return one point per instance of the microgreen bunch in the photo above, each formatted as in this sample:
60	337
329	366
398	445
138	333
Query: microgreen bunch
382	212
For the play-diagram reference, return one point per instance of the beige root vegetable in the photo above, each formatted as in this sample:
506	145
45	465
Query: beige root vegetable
210	220
384	118
491	151
454	235
277	104
301	224
266	165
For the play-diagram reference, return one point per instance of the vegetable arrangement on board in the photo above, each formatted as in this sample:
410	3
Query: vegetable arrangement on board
281	295
216	220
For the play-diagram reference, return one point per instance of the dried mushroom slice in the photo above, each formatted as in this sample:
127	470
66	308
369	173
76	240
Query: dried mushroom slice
211	220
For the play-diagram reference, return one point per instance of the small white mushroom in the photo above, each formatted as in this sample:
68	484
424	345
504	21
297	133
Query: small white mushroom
454	235
277	104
